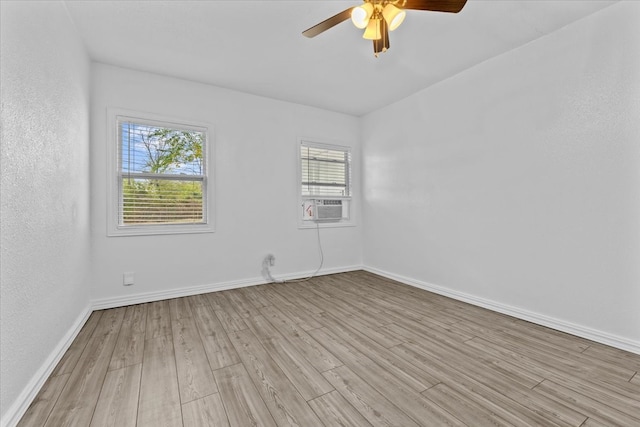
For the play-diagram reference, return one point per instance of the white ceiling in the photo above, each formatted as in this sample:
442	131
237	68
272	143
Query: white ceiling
257	46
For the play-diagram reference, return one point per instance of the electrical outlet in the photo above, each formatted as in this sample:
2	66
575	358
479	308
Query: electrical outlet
128	278
269	260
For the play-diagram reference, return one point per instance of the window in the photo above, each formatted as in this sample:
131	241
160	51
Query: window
325	183
161	181
325	171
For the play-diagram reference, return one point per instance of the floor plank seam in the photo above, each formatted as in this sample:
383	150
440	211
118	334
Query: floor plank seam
536	385
57	398
144	342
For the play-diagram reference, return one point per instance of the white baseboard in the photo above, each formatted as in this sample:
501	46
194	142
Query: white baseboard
530	316
21	404
140	298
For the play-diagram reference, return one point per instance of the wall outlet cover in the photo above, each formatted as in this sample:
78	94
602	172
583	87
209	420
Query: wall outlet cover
128	278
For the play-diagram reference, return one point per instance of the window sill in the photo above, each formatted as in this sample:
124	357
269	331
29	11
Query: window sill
327	224
154	230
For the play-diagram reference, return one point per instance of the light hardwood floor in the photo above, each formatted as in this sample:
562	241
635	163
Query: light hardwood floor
351	349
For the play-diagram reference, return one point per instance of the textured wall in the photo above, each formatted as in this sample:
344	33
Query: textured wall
255	178
518	181
44	188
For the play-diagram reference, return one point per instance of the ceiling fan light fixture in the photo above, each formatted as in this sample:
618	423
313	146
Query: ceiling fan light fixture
373	31
378	17
360	15
393	15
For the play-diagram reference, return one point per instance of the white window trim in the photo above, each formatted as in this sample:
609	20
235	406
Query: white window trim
114	229
331	145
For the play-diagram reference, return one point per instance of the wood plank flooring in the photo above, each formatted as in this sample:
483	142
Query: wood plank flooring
351	349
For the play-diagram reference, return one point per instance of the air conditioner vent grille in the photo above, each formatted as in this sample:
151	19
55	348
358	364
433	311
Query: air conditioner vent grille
328	210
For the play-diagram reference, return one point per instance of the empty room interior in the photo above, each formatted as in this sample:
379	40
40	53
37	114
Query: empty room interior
340	213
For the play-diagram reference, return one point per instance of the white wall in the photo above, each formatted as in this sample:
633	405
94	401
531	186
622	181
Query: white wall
256	189
518	181
44	202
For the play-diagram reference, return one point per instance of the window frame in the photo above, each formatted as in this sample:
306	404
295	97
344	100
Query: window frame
348	200
115	174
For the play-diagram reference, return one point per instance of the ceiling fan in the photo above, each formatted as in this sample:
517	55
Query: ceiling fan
378	17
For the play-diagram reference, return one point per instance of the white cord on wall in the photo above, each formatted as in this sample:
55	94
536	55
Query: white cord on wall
269	260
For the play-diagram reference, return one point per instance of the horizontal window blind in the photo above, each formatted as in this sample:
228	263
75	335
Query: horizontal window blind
325	171
161	201
161	174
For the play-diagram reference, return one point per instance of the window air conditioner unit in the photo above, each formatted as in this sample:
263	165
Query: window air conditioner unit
328	210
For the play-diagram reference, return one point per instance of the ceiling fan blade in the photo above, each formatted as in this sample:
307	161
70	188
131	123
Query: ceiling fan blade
452	6
328	23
